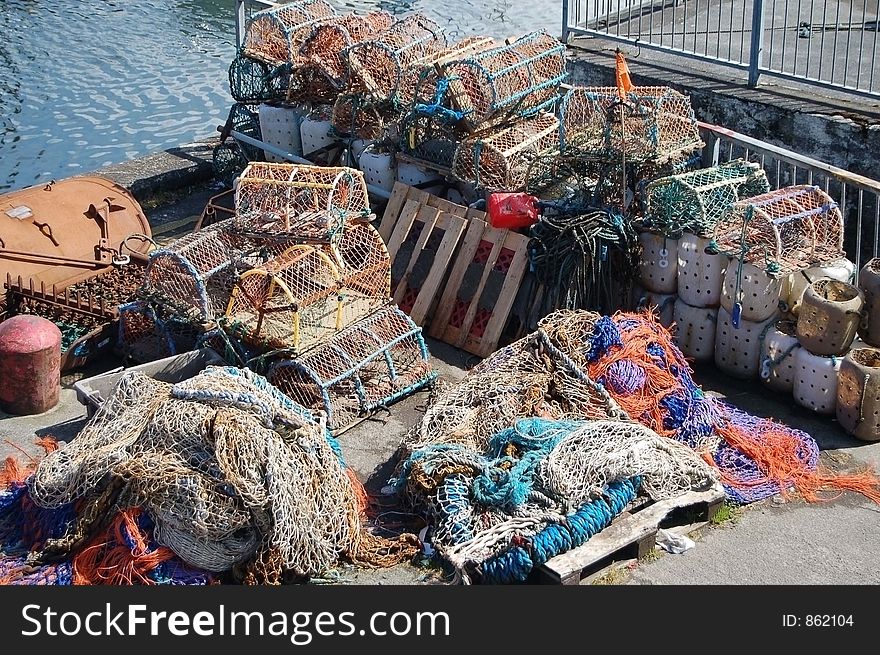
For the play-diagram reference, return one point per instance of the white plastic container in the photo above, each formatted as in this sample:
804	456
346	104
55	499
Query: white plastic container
378	168
663	304
357	148
413	175
315	134
695	330
815	381
699	274
659	263
840	269
759	293
738	350
777	357
280	127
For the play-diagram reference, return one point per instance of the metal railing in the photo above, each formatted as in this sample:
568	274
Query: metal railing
831	43
858	196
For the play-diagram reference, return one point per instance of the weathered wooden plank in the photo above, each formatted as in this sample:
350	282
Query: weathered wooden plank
453	227
428	216
403	226
624	532
392	210
512	280
497	238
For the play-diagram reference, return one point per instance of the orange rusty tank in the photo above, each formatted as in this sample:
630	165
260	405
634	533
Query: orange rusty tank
54	232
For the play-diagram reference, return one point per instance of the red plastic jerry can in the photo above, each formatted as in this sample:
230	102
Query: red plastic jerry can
512	210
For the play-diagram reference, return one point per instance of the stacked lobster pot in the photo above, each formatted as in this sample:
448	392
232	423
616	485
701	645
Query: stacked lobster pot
681	271
789	312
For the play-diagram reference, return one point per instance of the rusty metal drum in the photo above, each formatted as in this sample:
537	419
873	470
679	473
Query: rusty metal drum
30	365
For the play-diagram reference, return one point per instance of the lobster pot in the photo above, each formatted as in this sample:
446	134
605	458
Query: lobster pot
657	123
738	349
700	274
374	67
661	304
777	361
430	138
193	276
365	268
308	202
275	35
507	82
858	394
815	381
280	127
695	201
378	169
322	49
658	263
869	283
315	133
785	230
355	118
147	332
829	317
755	290
840	269
695	330
500	160
253	81
370	364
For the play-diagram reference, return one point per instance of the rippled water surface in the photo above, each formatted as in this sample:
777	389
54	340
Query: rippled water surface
89	83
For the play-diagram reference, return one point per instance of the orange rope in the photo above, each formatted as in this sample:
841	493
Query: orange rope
108	560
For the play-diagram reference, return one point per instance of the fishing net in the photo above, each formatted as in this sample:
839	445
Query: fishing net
500	160
507	82
226	466
311	202
375	66
652	123
253	81
370	364
782	231
320	70
582	261
275	35
696	201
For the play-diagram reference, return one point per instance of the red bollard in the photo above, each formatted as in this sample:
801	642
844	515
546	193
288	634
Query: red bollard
30	365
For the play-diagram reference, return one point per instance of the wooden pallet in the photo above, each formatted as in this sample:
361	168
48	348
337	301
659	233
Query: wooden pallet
631	534
402	194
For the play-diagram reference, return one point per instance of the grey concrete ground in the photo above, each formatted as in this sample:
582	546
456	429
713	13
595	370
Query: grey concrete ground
772	542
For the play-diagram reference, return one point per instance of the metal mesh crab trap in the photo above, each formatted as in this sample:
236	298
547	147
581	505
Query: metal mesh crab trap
516	80
275	35
369	365
308	202
308	293
320	55
695	201
784	230
374	67
253	81
500	160
654	122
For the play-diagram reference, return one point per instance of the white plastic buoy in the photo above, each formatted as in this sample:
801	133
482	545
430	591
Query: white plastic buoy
378	168
659	263
815	381
280	127
700	274
663	305
357	148
412	175
758	292
315	134
695	330
777	361
839	269
738	349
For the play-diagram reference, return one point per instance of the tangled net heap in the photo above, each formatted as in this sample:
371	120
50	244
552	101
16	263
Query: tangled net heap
231	473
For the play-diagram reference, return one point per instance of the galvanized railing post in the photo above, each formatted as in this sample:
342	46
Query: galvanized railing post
565	21
756	51
239	22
